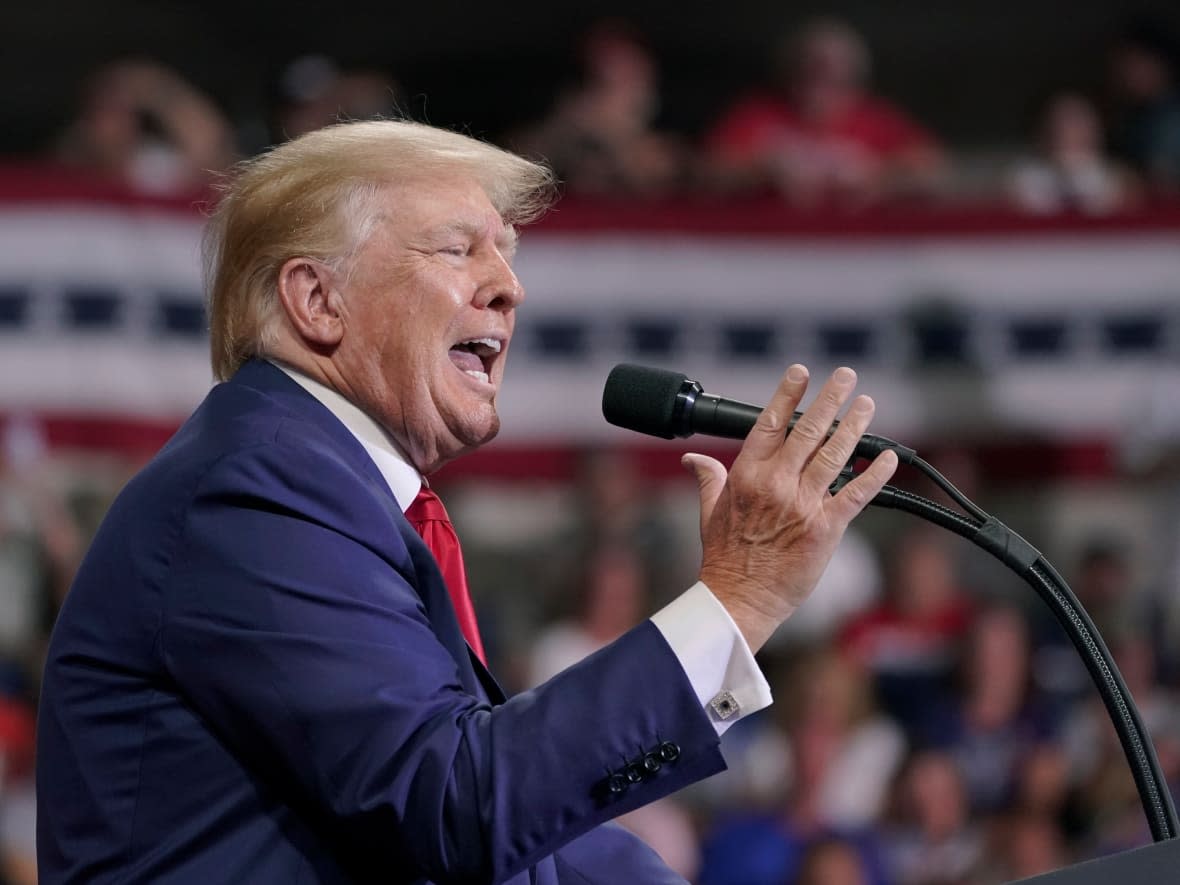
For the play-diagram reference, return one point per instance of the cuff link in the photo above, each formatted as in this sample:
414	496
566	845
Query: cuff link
725	706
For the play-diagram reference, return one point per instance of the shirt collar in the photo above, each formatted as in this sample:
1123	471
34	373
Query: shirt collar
403	477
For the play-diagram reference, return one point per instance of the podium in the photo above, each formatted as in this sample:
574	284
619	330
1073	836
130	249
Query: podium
1155	863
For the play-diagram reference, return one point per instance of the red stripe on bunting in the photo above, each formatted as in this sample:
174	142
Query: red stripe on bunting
1008	461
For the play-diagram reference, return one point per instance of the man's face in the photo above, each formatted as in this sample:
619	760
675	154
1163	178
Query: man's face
429	309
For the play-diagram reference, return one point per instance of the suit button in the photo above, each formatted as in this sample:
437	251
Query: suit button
652	762
616	783
634	772
669	751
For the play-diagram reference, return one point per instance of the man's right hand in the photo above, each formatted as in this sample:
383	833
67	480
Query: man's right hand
769	526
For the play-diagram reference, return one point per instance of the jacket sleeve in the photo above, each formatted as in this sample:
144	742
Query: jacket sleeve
608	855
291	625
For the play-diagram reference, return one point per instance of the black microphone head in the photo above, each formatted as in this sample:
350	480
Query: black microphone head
642	398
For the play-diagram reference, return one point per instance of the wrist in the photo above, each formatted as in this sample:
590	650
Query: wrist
756	612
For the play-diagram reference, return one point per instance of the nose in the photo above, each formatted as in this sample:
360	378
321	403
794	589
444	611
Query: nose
500	290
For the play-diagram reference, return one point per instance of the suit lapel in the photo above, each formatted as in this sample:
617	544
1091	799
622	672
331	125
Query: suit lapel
429	584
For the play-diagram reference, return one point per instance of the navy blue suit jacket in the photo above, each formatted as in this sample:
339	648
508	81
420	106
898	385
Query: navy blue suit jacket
258	677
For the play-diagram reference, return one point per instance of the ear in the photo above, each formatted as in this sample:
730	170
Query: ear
311	302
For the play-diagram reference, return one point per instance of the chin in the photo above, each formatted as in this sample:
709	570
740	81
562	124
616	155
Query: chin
472	430
487	430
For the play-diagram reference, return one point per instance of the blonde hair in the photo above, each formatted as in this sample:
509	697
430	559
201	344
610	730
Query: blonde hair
316	197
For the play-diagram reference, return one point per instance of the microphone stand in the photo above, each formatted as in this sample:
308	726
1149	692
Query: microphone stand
991	535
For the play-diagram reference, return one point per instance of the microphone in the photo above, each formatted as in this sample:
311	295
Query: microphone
669	405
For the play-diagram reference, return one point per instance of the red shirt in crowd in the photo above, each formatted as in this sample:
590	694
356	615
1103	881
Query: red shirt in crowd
888	640
761	123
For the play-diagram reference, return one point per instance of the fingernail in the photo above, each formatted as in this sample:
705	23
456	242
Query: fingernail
845	375
863	404
796	373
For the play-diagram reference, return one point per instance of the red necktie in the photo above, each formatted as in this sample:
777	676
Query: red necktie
429	519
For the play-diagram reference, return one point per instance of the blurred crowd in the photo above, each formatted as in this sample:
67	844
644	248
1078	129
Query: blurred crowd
816	134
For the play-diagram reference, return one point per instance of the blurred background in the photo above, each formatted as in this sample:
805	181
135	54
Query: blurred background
975	204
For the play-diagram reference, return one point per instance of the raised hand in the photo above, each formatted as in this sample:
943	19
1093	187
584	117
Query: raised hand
770	526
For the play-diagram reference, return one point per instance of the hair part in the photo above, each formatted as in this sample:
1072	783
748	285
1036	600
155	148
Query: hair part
317	197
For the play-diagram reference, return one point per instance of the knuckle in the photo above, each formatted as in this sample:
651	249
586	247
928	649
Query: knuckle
832	457
845	440
856	495
855	423
738	486
808	431
831	400
772	422
834	396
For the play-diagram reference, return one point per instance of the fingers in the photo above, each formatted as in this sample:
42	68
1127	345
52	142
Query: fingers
834	454
812	429
766	438
855	496
710	475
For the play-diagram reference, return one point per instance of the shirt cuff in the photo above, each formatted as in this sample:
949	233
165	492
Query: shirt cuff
715	657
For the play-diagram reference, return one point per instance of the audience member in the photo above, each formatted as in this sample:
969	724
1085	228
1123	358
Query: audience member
1070	171
315	92
1145	129
1026	844
143	126
820	137
1102	580
991	723
1043	782
600	137
618	505
613	599
757	849
934	841
910	640
1105	794
832	861
846	754
841	758
40	546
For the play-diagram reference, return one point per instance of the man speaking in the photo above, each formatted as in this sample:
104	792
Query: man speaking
268	669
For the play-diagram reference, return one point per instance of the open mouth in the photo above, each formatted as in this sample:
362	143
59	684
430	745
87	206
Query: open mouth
475	356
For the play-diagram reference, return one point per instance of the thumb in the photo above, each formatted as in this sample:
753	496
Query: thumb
710	476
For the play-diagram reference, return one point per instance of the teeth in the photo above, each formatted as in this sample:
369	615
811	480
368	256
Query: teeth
482	376
487	342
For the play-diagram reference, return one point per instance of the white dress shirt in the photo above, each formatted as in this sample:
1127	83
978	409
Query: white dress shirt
700	632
